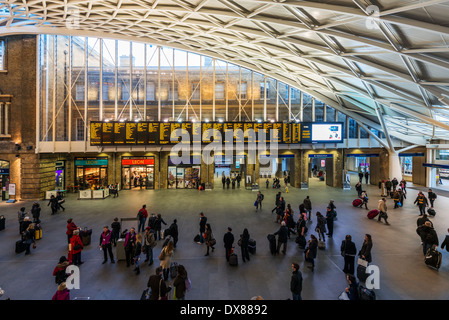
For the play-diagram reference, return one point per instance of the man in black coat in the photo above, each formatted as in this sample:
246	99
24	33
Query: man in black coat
348	251
282	234
173	231
431	196
157	285
296	282
203	221
228	240
446	242
429	236
330	216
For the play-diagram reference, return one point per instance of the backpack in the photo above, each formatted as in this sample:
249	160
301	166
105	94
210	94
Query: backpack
139	214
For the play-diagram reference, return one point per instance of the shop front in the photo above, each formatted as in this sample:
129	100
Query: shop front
91	173
4	179
183	176
137	173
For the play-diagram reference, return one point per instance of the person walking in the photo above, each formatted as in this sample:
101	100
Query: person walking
320	226
429	236
396	198
53	203
367	246
130	243
432	197
76	246
36	212
311	251
348	251
203	222
364	197
158	226
366	176
289	220
142	216
244	245
106	244
282	234
259	200
209	239
228	240
157	286
296	282
358	188
137	253
60	200
223	181
148	245
71	227
165	258
115	226
422	203
180	283
382	207
445	243
308	207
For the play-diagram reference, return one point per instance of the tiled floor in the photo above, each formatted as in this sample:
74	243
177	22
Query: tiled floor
397	250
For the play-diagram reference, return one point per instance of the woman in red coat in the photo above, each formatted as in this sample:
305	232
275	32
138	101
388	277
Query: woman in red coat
71	226
76	246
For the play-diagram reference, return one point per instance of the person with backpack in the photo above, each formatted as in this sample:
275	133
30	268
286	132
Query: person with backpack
142	216
422	203
148	245
428	236
259	200
348	252
320	226
106	244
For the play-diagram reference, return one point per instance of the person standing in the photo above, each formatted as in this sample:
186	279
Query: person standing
320	226
330	216
308	207
382	189
259	200
267	183
432	197
388	185
282	234
137	253
365	252
106	244
353	287
209	239
228	240
174	232
358	188
157	286
296	282
360	175
422	203
142	216
203	221
445	242
311	251
71	227
158	226
130	243
21	214
244	245
36	212
180	283
396	198
223	181
149	244
228	182
348	251
366	176
115	225
394	183
382	207
76	246
165	258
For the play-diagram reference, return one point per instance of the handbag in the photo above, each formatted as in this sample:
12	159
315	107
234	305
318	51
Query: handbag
162	255
239	242
212	242
255	203
362	262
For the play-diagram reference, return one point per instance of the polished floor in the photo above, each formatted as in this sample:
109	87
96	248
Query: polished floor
397	251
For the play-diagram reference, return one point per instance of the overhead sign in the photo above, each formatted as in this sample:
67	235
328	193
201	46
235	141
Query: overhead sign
137	162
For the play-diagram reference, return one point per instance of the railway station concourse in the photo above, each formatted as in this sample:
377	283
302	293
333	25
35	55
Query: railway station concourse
164	100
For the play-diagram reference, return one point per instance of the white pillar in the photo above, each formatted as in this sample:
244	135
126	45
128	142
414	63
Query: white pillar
395	165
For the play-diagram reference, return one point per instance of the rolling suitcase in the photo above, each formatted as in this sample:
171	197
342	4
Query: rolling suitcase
431	212
233	259
20	246
433	259
357	202
252	246
173	269
372	214
321	245
272	239
2	223
37	232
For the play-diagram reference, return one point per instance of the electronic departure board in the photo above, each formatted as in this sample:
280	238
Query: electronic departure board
116	133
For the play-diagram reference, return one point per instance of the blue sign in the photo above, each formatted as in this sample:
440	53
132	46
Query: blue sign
432	165
91	162
322	155
4	171
362	155
418	154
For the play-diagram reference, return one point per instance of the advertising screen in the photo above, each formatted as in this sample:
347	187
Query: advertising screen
330	132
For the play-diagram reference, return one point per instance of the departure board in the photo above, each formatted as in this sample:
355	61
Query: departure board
142	133
107	133
119	133
115	133
95	133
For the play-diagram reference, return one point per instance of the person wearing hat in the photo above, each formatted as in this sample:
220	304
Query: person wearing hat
60	270
106	245
228	240
148	245
62	293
